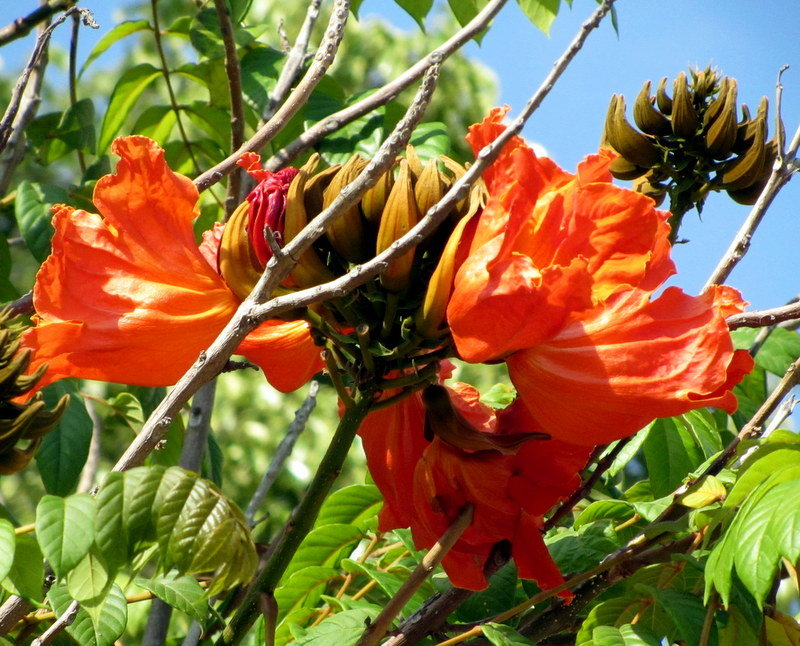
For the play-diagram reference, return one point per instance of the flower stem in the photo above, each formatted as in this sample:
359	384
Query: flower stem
301	521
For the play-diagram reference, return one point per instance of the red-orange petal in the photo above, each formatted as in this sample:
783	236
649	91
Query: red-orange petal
613	370
285	351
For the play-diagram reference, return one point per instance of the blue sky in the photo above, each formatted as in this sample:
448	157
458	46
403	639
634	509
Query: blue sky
745	39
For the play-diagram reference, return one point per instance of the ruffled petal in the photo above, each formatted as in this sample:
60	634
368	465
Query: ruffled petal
111	308
614	369
285	351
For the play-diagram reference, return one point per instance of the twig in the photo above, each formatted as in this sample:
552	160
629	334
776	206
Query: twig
170	92
29	105
11	612
294	61
283	452
73	66
237	106
301	521
377	629
586	486
322	61
58	625
39	49
387	92
782	172
22	26
763	318
780	130
246	319
93	461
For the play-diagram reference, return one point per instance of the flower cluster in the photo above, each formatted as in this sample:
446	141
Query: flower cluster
552	273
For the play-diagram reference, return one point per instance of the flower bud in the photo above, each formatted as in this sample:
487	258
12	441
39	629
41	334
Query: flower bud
399	216
346	234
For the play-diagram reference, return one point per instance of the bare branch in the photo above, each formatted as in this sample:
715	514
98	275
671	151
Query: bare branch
377	629
386	93
322	61
245	320
282	453
237	105
763	318
58	625
6	123
21	27
294	61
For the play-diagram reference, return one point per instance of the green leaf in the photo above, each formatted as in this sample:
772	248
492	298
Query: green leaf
156	122
26	575
502	635
342	629
702	427
390	582
768	463
32	207
126	93
764	530
430	140
541	13
324	546
303	589
576	552
777	353
109	531
627	635
181	592
498	597
687	612
64	450
617	510
670	453
206	37
417	9
710	490
353	505
89	580
612	612
8	544
99	625
119	32
466	10
499	396
64	530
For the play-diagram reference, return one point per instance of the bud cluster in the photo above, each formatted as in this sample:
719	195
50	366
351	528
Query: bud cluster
398	321
20	422
691	143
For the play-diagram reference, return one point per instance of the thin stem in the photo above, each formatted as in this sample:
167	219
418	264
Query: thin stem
294	62
301	521
708	621
58	625
21	27
282	453
73	67
377	629
322	61
237	105
387	92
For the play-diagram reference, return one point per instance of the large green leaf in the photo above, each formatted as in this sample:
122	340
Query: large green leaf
64	450
64	530
260	70
502	635
498	597
343	628
126	93
627	635
303	588
324	546
181	592
32	207
778	462
8	543
612	612
417	9
353	505
541	13
119	32
687	612
89	580
98	625
671	454
764	530
780	349
26	575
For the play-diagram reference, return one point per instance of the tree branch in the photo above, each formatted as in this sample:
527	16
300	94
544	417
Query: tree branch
322	61
377	629
21	27
387	92
763	318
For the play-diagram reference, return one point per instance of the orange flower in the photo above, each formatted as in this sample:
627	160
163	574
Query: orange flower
426	483
558	280
128	296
